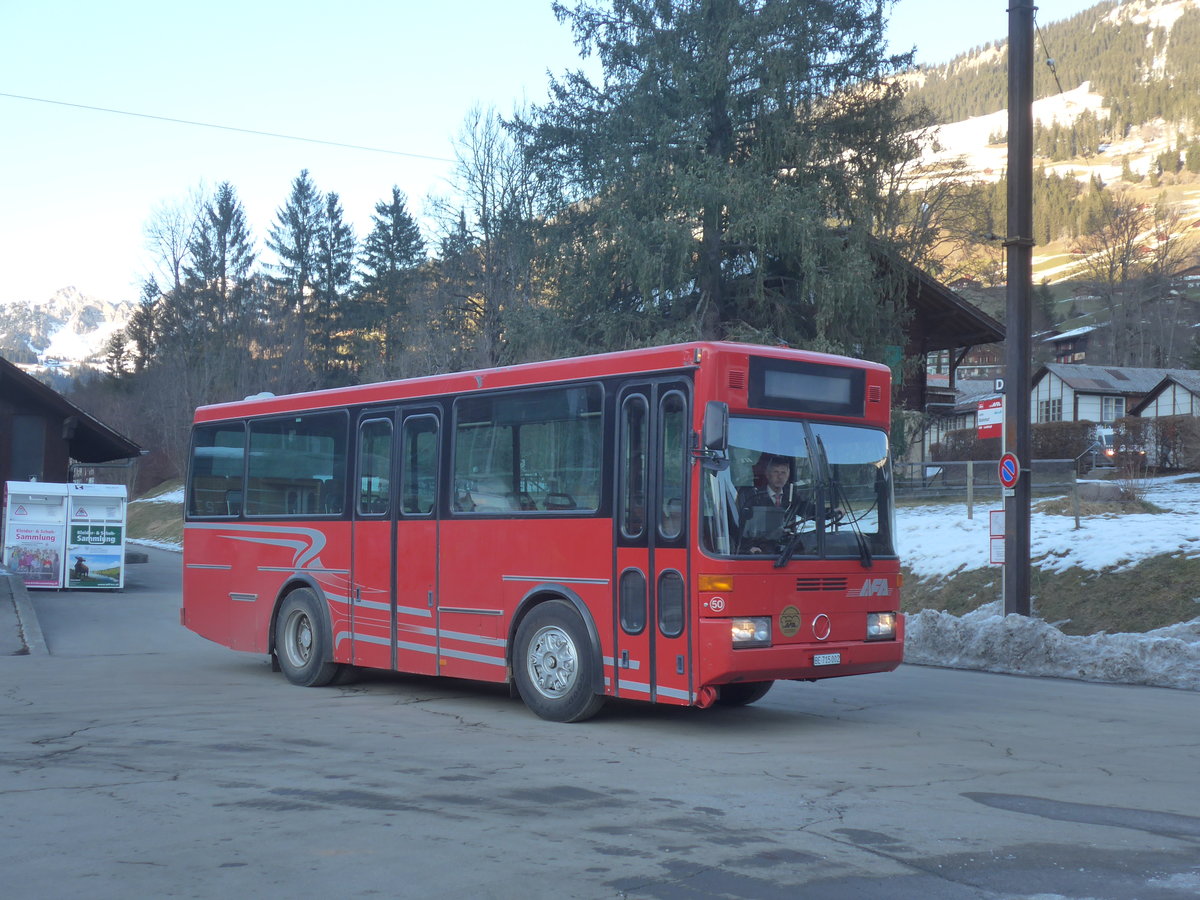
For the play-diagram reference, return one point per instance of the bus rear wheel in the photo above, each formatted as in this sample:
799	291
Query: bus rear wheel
743	693
302	642
553	664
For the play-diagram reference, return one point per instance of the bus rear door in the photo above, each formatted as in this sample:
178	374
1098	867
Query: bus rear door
394	590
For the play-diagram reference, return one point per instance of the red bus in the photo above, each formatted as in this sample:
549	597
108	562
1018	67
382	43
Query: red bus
684	524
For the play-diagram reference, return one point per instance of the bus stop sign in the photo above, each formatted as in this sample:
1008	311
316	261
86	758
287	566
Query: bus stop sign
1010	470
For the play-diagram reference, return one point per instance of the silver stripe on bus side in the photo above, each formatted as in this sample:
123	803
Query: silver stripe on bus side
291	569
636	686
473	657
674	692
630	665
473	639
384	642
208	566
454	635
306	543
467	611
387	607
417	648
555	580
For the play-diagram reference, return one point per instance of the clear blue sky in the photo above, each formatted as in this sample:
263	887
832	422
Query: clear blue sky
77	185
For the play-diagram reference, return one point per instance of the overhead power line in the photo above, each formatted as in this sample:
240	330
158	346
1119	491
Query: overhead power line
270	134
1046	51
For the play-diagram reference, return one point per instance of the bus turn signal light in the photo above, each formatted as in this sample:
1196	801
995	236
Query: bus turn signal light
716	583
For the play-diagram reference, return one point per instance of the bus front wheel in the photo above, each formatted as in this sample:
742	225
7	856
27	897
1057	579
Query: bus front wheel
302	642
553	664
743	693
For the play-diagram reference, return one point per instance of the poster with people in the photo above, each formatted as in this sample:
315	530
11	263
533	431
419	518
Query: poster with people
35	553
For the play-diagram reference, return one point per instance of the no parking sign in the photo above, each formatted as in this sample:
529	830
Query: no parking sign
1010	471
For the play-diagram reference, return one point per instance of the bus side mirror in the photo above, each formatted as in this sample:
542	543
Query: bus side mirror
716	426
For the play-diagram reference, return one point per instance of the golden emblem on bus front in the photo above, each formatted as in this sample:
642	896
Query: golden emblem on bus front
789	621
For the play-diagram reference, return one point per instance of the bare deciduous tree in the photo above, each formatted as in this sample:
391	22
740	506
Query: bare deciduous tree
169	233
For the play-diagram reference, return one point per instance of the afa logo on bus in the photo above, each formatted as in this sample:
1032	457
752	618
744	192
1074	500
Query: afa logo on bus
873	587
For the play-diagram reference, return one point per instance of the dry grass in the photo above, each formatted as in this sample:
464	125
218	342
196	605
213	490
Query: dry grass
1159	591
1064	506
156	521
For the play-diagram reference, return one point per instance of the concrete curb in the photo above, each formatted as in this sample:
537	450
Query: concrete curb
27	621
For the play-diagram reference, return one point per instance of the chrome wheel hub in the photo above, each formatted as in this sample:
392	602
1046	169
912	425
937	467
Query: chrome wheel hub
552	662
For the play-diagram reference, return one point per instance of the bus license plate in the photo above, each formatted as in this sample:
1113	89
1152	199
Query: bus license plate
827	659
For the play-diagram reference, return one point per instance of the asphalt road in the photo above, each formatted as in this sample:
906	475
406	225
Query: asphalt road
138	760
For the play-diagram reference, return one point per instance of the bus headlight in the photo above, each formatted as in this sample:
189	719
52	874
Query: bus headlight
754	631
881	626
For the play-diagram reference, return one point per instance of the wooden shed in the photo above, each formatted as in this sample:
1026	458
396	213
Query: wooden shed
42	433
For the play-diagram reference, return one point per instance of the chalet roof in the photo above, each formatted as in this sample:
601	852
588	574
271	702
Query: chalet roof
91	442
1073	333
942	319
1126	380
1187	379
970	392
975	388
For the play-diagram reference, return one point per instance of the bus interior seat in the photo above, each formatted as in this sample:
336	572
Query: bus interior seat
559	500
332	496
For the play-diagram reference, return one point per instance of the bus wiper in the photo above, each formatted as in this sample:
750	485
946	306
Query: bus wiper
864	549
792	541
839	494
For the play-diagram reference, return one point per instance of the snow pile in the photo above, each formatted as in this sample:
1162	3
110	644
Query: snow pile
985	639
938	541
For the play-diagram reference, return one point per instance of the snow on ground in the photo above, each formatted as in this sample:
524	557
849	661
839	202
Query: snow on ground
939	541
968	139
175	496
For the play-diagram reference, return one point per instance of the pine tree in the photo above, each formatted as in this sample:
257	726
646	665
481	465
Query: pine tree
333	275
293	240
701	177
391	254
221	256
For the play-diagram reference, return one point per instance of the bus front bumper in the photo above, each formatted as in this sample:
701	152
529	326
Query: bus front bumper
724	663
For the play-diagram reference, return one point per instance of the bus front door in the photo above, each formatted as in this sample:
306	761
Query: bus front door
652	659
394	580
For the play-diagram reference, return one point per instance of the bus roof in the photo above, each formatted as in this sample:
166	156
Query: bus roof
672	357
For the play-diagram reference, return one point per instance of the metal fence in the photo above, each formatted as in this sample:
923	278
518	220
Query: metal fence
976	480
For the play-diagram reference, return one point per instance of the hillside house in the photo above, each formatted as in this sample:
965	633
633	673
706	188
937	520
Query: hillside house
1103	394
1073	346
1178	394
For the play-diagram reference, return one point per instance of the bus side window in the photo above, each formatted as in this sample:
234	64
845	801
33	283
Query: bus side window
674	434
218	454
374	466
418	479
290	459
531	451
634	441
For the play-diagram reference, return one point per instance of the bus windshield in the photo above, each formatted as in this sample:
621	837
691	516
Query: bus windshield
800	489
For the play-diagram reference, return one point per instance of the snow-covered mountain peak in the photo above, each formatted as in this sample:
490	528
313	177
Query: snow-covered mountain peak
66	329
